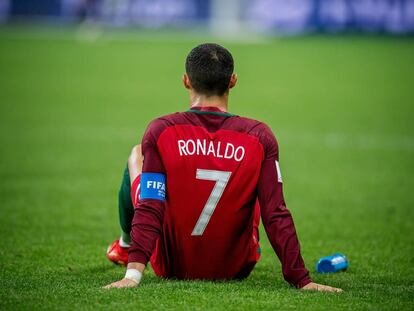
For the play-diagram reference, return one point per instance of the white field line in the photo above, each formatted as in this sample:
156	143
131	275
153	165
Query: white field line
351	141
105	133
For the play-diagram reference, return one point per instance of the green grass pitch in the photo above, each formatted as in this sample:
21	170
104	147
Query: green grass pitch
70	110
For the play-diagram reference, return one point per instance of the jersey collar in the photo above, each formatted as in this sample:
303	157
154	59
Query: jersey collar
210	110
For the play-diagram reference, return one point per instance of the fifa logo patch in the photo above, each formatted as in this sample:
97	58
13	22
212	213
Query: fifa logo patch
153	186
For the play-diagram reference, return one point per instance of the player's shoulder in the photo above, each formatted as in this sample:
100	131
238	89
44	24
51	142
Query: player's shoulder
258	129
158	125
168	120
248	123
252	127
237	123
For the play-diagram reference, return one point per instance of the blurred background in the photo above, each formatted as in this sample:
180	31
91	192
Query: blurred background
230	16
81	79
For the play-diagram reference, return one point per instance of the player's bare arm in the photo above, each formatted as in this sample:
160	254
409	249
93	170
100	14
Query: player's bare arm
135	270
132	278
321	288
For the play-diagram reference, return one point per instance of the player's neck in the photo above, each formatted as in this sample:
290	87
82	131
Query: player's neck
220	102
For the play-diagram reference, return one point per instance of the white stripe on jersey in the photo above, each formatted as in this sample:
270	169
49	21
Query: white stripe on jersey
279	174
136	192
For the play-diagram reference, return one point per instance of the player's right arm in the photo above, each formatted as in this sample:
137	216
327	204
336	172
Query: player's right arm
277	219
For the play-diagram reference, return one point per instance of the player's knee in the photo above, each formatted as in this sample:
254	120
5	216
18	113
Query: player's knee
136	153
136	156
136	150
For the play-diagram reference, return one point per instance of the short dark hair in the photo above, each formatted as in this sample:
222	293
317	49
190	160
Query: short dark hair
209	67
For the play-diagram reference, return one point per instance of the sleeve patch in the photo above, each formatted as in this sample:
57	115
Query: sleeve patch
279	174
153	186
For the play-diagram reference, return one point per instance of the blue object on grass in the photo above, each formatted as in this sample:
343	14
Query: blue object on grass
334	263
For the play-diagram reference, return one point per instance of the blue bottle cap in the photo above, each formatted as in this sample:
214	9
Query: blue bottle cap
334	263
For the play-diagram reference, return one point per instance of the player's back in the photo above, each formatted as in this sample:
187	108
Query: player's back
212	162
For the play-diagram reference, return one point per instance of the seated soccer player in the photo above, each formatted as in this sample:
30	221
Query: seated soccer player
188	201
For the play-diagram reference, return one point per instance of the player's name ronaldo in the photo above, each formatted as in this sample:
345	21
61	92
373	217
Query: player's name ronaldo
217	149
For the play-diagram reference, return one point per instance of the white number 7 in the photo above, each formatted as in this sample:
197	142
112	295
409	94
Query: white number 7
221	178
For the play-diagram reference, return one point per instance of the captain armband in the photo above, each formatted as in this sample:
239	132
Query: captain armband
153	186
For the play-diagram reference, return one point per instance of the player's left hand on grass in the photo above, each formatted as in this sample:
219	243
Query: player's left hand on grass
122	284
321	288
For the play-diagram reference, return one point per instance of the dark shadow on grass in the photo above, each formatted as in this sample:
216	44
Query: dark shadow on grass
265	280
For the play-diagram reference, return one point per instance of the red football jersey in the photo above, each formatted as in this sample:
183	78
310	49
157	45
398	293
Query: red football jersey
216	166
